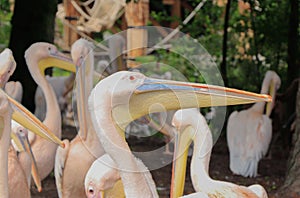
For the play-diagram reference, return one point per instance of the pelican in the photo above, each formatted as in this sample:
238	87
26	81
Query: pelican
125	96
249	132
21	165
14	89
102	177
61	86
7	66
10	109
38	57
73	162
192	126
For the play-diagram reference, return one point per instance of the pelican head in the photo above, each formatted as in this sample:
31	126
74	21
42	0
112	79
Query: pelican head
270	86
80	49
101	177
132	95
47	55
21	143
7	66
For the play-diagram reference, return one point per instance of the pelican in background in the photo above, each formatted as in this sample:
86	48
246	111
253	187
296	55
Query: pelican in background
14	89
73	162
249	132
10	109
38	57
21	165
192	126
61	85
7	68
126	96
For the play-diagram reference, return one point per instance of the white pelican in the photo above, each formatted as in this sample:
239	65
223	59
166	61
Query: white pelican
61	86
73	162
39	56
126	96
102	177
249	132
11	109
7	66
14	89
21	165
192	126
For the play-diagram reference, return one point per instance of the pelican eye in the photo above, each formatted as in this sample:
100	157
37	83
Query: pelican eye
49	48
91	190
131	77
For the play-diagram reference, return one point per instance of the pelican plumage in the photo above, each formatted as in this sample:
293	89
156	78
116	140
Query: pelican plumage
249	132
14	89
10	109
21	165
125	96
61	85
73	161
7	66
38	56
192	126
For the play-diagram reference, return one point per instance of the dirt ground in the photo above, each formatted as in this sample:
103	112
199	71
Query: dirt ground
271	170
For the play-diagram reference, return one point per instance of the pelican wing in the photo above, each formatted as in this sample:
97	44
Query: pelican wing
60	159
248	135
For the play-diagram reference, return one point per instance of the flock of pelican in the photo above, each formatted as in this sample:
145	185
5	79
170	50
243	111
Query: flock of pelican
98	162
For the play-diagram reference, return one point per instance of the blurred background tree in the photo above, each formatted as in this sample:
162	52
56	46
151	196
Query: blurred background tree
32	21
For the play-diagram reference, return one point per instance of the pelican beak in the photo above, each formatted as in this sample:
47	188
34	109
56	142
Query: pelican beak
101	194
34	171
29	121
82	99
182	143
57	60
155	95
17	142
269	106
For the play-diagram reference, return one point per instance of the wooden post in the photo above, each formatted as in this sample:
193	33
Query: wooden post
137	15
70	36
176	13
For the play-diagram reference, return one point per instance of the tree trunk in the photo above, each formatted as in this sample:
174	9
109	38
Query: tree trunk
293	61
293	52
291	186
33	21
225	38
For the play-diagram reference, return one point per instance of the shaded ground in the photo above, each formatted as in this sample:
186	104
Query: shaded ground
271	170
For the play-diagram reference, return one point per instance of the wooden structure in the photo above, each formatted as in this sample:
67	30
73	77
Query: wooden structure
71	15
137	15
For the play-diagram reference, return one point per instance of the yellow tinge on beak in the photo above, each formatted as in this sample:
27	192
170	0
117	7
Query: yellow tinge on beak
269	106
29	121
172	95
17	142
65	64
23	145
34	169
182	143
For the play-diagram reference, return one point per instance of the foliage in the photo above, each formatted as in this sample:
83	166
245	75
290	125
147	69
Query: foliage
252	48
4	5
5	26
